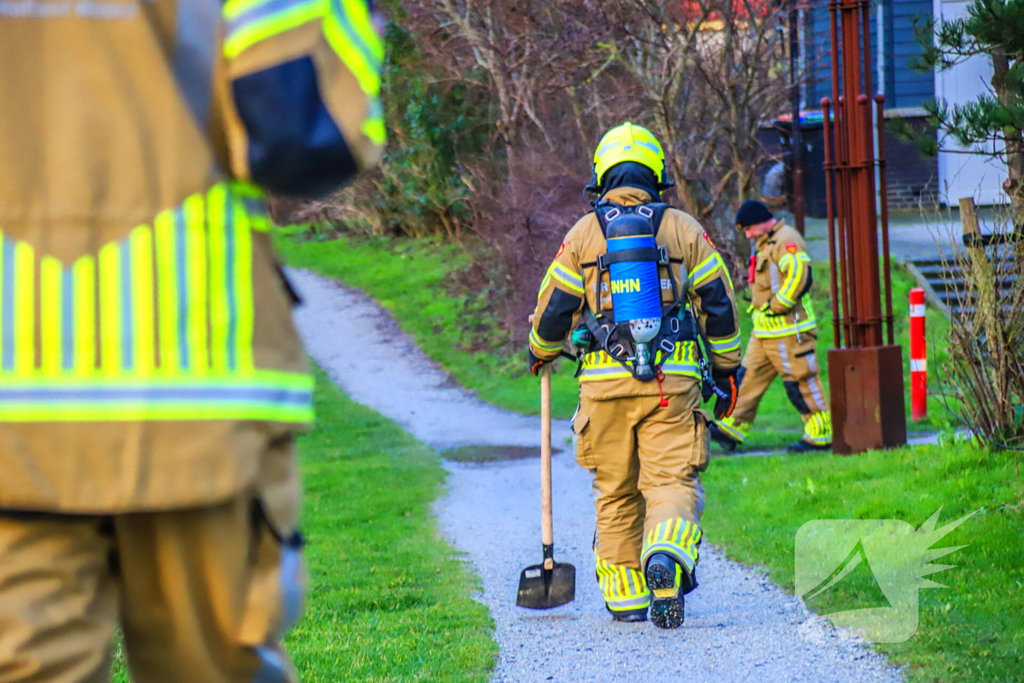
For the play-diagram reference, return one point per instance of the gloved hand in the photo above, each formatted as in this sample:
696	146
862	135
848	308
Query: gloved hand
535	364
767	310
726	391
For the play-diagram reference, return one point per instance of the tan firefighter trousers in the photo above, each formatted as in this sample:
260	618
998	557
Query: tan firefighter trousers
202	595
796	362
646	462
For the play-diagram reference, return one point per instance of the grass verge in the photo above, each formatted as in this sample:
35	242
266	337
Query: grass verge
970	631
387	601
412	278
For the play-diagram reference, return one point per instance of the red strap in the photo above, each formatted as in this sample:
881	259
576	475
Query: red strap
661	394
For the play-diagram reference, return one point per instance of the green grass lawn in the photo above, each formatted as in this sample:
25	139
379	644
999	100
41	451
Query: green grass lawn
387	599
411	278
971	631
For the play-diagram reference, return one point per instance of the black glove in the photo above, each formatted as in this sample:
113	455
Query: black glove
535	364
725	391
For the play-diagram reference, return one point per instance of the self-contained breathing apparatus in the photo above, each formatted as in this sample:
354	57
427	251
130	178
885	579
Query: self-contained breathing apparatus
639	326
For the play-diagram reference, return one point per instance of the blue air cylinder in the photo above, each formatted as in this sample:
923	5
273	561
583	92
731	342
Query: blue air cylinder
635	285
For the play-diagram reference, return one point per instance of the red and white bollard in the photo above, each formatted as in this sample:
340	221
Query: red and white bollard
918	358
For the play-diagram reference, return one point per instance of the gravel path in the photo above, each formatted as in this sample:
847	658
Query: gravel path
739	626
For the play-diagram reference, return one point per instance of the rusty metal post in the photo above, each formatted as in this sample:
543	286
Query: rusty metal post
796	134
866	377
830	179
883	205
846	245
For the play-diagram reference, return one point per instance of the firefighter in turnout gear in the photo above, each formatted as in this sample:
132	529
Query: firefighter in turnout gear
639	281
785	335
151	380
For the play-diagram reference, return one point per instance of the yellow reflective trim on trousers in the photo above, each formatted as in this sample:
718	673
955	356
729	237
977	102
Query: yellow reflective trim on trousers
143	316
818	428
677	537
735	429
50	305
84	275
623	588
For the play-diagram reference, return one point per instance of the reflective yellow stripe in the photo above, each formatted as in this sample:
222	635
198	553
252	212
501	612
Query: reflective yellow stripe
677	537
250	22
374	129
50	301
737	430
243	278
567	283
220	316
727	344
188	281
793	277
110	308
267	395
167	291
543	345
24	309
143	321
85	316
571	280
199	356
350	33
704	270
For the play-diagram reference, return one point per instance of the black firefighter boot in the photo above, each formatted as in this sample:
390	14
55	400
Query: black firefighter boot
668	581
722	439
630	616
802	446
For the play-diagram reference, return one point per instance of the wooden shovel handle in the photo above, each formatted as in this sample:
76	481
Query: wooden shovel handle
545	457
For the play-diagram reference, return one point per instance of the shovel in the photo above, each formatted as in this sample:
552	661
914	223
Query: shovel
549	584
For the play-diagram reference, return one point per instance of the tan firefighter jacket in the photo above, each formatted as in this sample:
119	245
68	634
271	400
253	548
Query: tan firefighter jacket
571	283
782	280
147	352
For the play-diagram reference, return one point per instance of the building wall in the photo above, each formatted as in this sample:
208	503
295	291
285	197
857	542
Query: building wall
912	179
903	86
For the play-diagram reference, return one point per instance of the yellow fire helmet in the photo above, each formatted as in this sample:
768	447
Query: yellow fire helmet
629	142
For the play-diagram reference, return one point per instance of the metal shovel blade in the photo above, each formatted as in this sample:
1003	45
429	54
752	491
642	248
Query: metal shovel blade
541	588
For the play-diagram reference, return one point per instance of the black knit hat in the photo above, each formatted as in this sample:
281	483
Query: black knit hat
751	213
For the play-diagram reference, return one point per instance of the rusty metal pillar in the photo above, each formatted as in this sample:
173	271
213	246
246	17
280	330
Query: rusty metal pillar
865	368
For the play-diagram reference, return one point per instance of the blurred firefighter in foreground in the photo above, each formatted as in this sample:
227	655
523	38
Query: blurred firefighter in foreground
640	282
151	380
785	335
